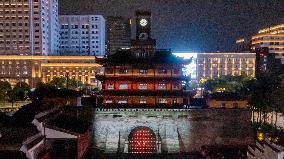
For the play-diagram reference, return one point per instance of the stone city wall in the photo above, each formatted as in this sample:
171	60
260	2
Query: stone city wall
179	130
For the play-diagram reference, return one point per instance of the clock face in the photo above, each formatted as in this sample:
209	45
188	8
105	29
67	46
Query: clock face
143	22
143	36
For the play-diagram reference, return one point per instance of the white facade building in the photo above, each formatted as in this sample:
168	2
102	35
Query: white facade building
216	65
82	35
29	27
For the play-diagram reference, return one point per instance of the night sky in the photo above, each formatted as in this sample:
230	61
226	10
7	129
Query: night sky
190	25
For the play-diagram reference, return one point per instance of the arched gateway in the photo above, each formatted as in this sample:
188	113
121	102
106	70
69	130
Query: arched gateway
142	140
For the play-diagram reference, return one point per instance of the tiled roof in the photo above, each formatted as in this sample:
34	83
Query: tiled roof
68	124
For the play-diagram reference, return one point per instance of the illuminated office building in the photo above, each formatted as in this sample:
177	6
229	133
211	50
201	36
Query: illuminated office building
82	35
29	27
216	65
33	69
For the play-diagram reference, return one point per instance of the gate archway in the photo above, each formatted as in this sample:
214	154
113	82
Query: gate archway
142	140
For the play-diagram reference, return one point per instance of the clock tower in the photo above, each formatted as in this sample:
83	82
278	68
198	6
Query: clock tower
143	25
143	45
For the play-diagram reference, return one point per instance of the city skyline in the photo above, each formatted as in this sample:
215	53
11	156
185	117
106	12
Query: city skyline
200	27
112	79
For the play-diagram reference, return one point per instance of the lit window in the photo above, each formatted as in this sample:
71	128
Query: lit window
162	71
162	100
123	71
143	101
142	86
143	71
123	86
124	101
108	101
162	86
175	100
110	86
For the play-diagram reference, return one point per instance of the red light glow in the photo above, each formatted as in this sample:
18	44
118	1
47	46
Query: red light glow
142	140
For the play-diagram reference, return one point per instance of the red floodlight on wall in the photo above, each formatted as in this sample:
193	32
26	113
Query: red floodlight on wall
142	140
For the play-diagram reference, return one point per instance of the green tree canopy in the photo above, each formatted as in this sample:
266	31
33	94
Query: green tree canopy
61	83
58	82
5	87
230	84
75	84
19	92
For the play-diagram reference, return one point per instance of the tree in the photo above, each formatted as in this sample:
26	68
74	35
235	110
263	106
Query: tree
58	82
75	84
276	96
5	87
230	84
19	92
61	83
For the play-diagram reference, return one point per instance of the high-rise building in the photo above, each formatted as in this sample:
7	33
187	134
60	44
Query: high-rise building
215	65
273	39
268	45
82	35
118	34
29	27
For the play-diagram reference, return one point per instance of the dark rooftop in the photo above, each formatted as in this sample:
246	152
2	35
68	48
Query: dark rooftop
127	57
61	93
12	136
69	124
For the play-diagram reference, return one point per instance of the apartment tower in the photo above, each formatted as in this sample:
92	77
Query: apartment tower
82	35
29	27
